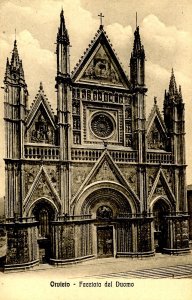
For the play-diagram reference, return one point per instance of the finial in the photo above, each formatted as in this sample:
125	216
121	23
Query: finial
41	86
15	34
155	100
136	19
101	16
61	14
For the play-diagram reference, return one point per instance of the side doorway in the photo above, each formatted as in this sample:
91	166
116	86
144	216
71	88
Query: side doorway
160	210
44	214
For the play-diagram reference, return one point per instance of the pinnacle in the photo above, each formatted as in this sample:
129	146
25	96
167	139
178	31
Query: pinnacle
62	35
62	12
172	84
138	48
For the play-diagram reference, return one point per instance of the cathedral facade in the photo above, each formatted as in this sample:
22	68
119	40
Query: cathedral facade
96	179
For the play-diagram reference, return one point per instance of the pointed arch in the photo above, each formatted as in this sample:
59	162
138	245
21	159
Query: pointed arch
29	198
105	157
81	201
168	192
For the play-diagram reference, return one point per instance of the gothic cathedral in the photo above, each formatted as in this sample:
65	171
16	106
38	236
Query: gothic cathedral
96	179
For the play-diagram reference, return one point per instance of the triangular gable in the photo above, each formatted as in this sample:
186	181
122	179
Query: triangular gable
105	172
155	114
161	187
156	130
102	169
40	123
40	101
41	187
99	65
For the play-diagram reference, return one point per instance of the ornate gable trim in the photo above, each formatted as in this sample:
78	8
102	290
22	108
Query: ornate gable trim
105	157
100	40
34	186
40	100
155	113
161	176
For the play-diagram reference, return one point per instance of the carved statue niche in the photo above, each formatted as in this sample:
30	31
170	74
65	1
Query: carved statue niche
42	131
156	139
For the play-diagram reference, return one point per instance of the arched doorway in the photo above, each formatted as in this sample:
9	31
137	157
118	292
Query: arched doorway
107	234
44	214
105	243
160	210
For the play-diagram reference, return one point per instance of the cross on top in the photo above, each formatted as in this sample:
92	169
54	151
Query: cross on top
101	16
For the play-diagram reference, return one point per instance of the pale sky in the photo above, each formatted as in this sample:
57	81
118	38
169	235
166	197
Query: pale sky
166	33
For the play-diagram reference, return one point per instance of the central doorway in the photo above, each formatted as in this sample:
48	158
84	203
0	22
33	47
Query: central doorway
105	241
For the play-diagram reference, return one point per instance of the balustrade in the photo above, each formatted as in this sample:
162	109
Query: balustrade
35	152
93	155
164	158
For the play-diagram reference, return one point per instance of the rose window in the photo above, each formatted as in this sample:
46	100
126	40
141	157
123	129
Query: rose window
102	125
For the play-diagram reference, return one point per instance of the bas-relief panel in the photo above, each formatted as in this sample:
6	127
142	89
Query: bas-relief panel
130	174
156	138
31	172
151	177
104	173
101	69
79	174
41	130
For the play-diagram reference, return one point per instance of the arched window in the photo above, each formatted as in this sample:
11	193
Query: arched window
43	214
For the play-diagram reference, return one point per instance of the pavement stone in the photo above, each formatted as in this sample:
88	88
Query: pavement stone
101	266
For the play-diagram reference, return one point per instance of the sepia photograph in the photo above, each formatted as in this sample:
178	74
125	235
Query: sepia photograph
96	149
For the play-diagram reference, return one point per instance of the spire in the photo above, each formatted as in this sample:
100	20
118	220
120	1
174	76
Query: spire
62	36
137	61
15	56
138	49
173	85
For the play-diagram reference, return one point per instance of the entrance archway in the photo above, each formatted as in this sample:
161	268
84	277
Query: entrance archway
160	209
44	214
106	232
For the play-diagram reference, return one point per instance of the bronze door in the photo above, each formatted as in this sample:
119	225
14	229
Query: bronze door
105	241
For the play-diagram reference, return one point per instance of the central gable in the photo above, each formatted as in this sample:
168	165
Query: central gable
99	65
101	69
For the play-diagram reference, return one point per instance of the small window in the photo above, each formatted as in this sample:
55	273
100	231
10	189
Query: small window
76	138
